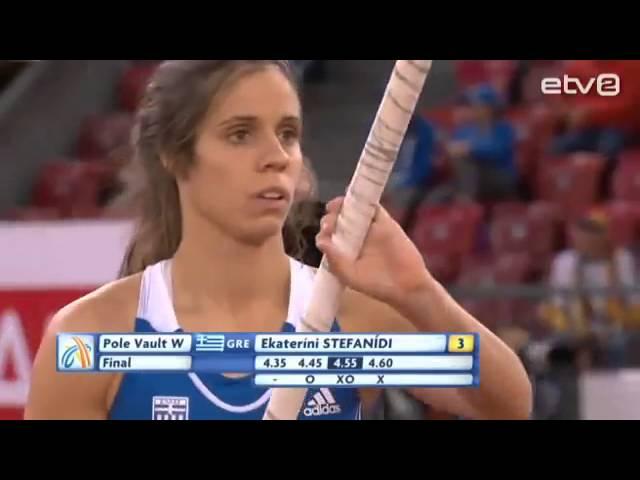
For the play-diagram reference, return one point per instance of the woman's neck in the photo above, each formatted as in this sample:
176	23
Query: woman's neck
217	268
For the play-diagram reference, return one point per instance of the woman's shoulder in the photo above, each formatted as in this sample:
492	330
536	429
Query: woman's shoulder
54	395
110	308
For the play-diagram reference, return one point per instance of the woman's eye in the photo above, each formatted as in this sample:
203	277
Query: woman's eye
239	136
290	135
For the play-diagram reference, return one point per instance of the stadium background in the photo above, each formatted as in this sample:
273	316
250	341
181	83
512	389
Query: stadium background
64	127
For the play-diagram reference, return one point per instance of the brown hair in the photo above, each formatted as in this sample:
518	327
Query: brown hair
176	101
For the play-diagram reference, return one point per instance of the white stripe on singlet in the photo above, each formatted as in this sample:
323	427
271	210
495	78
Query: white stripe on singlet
156	307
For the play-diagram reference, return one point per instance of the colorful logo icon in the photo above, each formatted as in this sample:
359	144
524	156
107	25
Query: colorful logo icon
75	352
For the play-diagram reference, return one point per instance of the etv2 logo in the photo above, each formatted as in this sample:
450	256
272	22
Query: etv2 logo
75	352
605	85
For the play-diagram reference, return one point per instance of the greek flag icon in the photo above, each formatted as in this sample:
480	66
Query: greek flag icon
209	343
170	408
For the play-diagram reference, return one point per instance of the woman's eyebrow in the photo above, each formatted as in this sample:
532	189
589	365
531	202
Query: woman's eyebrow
239	119
291	119
252	119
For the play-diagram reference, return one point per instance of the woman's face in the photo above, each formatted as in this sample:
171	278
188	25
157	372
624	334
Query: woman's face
248	158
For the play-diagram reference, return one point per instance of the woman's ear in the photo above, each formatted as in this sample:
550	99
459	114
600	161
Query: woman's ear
174	165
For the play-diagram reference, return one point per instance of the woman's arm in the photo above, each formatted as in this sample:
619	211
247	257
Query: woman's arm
505	390
80	396
397	293
66	396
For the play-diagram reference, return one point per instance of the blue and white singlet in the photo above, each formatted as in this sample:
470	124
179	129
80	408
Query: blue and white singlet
191	396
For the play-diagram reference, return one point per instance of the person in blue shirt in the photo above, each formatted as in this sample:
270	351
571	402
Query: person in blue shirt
482	152
414	167
218	145
413	174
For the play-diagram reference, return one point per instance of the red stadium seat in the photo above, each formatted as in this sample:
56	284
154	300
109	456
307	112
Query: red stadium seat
476	270
482	271
470	212
450	230
512	268
470	216
133	84
524	228
70	185
626	179
104	136
572	182
624	222
503	209
54	183
507	268
435	233
470	72
630	156
541	211
545	220
500	73
510	233
444	268
534	128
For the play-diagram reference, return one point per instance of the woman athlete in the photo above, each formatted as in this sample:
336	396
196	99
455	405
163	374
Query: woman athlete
218	143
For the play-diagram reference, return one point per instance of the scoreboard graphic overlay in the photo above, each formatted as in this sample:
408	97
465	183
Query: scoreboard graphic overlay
284	359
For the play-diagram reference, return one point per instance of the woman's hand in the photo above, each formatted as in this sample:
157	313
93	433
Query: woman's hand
389	267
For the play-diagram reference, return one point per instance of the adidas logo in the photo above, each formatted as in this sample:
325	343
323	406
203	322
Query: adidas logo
322	403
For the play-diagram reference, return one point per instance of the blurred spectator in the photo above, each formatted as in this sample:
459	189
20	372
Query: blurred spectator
593	263
594	123
482	152
413	172
414	166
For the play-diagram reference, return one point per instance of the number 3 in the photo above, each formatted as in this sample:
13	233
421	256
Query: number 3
461	343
